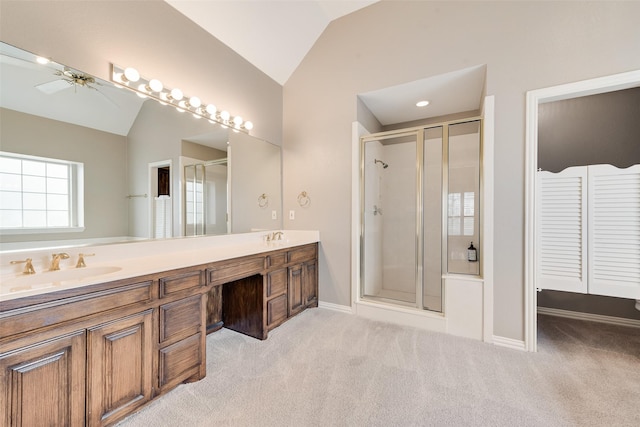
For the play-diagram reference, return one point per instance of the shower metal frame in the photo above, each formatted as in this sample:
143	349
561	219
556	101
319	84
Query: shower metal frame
203	165
419	132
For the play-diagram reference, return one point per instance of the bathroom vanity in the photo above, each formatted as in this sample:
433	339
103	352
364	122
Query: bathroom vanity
90	354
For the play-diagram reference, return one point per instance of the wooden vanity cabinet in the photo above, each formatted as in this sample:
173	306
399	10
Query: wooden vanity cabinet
119	367
44	383
92	355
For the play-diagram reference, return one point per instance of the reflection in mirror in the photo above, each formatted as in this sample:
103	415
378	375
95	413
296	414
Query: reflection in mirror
126	145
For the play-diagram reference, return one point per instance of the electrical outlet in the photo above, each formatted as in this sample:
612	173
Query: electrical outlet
292	214
274	214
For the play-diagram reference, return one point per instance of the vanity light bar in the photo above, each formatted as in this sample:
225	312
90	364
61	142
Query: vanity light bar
131	79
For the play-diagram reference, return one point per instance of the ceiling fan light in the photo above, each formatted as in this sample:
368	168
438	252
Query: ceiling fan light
131	74
155	85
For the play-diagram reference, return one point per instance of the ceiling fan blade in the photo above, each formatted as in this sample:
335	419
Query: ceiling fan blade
53	87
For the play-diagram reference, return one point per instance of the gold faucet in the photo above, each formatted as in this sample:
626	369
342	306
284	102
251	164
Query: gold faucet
55	261
81	263
28	267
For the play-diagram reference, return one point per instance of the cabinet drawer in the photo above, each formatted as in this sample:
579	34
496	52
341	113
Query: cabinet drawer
171	285
180	361
276	282
276	310
276	259
237	270
38	316
302	254
180	318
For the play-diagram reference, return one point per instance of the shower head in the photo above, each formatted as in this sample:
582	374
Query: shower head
384	165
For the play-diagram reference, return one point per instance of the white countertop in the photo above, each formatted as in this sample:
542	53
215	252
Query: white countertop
133	259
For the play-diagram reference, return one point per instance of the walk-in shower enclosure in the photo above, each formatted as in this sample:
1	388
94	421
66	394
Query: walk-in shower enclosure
420	205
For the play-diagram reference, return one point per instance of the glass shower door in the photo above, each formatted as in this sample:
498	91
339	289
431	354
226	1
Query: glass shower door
389	218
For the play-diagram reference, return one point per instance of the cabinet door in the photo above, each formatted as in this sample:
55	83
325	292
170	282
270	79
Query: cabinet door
310	283
294	290
44	384
119	367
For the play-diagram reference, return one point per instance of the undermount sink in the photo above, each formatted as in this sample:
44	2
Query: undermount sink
54	278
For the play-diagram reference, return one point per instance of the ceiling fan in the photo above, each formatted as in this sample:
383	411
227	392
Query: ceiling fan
75	79
69	78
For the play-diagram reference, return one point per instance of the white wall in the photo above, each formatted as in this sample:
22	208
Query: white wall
526	45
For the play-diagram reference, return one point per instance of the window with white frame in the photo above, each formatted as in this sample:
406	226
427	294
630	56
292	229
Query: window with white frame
461	211
40	194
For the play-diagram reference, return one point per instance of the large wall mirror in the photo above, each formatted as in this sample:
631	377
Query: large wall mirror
146	169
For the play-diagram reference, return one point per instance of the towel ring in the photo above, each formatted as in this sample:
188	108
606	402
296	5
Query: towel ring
263	200
303	199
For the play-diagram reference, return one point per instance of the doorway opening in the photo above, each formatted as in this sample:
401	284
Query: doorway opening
532	247
160	200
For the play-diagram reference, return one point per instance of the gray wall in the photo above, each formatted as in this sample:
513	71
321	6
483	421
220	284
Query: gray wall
590	130
525	45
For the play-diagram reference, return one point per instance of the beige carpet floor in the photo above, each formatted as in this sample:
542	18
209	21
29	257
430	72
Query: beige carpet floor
325	368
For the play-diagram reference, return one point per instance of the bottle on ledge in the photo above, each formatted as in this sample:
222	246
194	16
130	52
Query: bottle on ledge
472	253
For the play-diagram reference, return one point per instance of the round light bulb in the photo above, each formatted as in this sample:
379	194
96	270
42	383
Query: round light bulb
195	102
211	109
155	85
224	115
237	120
131	74
176	94
248	125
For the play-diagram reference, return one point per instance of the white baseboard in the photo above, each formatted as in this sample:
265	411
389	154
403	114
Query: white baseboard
589	316
335	307
509	343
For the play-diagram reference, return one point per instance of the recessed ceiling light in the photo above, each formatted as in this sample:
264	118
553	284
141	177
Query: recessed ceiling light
422	103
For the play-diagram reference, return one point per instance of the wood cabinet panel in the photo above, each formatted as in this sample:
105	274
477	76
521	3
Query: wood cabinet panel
180	319
276	259
242	308
214	309
276	311
227	272
181	282
310	283
276	282
180	361
304	253
119	367
44	384
294	290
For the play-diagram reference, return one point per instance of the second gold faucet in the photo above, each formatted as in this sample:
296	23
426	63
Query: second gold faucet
55	260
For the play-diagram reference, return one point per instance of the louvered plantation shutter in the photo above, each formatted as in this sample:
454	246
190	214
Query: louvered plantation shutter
561	225
614	227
